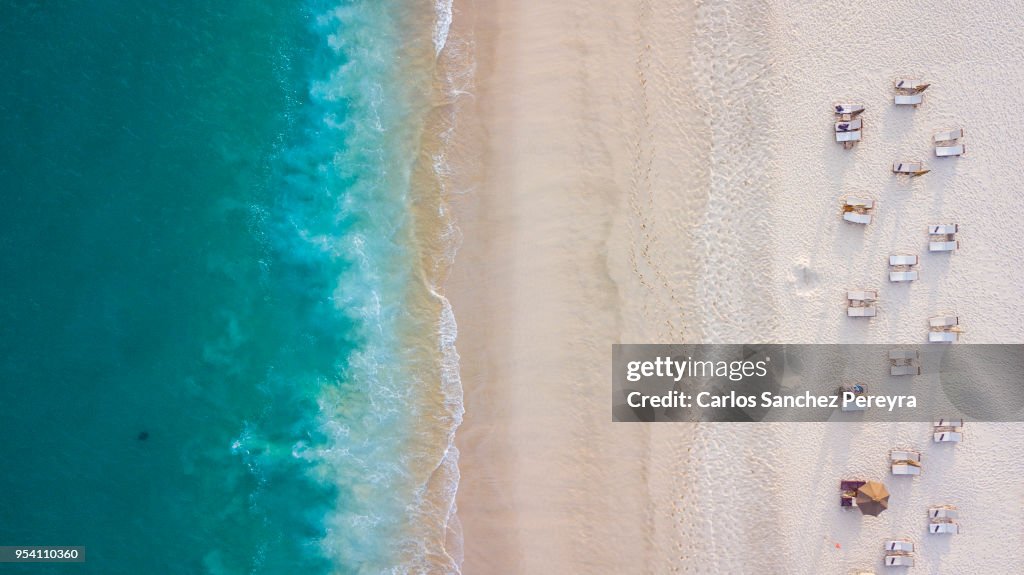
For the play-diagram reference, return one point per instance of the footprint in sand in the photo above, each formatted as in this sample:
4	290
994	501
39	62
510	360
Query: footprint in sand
803	279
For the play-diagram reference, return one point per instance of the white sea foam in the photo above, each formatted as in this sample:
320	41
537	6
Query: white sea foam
457	66
442	24
389	444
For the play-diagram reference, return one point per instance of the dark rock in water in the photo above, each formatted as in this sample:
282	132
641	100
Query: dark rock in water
143	436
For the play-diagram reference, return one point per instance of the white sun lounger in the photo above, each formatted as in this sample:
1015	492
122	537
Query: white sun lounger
949	135
944	528
903	263
898	553
861	303
944	329
947	436
899	546
903	260
856	210
905	455
903	462
899	561
848	109
866	203
905	469
911	85
904	370
903	276
909	99
903	354
943	336
943	512
862	295
948	431
849	126
912	168
943	321
848	136
852	406
950	246
947	151
943	237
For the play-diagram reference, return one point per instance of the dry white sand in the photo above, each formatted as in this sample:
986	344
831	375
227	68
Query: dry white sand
661	171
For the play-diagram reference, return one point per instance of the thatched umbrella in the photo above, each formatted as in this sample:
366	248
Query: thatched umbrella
872	498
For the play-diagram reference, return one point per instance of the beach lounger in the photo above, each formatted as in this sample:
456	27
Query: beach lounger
908	276
905	462
862	295
944	329
909	92
913	168
861	303
909	99
865	203
905	454
899	546
944	528
904	362
942	238
948	431
857	390
900	267
898	553
949	135
904	370
903	260
849	125
903	354
947	151
848	493
943	337
947	437
942	519
943	229
942	512
851	110
912	86
899	561
858	210
943	321
947	246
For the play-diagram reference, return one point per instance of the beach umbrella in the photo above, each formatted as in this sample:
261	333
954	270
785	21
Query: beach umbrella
872	498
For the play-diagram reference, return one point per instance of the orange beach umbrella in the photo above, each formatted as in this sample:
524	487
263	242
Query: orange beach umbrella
872	498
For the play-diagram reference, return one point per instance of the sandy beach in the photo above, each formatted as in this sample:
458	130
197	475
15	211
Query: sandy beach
666	172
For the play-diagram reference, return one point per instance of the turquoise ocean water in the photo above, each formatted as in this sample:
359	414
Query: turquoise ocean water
205	288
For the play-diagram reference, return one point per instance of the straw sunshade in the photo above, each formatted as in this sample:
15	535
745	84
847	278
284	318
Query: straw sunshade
872	498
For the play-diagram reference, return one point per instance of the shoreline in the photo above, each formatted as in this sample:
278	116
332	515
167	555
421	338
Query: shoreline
528	451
